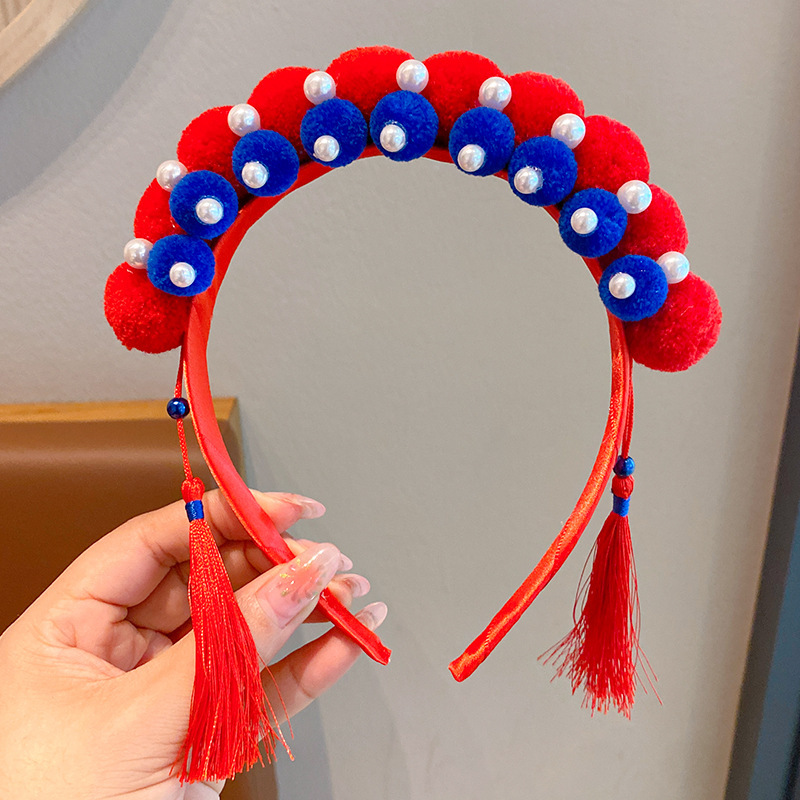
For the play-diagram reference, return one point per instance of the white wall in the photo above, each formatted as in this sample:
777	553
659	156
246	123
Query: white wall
404	360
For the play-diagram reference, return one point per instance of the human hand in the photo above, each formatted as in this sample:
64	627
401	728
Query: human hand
96	676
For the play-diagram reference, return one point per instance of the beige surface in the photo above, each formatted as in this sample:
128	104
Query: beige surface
417	349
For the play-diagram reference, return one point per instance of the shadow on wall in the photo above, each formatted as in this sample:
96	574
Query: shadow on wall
106	33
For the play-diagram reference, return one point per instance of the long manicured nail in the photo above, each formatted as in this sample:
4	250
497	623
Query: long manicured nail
345	564
298	582
310	509
359	585
373	615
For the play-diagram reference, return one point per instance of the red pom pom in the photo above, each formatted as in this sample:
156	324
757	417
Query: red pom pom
366	74
657	230
454	79
207	143
143	317
537	100
681	332
609	155
153	220
281	104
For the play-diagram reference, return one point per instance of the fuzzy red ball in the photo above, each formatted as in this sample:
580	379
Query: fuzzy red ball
454	79
144	318
207	143
282	105
609	155
366	74
681	332
659	229
537	100
153	219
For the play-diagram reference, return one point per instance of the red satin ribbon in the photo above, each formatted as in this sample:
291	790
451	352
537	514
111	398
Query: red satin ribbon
260	526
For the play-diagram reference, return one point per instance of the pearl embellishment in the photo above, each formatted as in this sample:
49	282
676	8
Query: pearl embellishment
169	173
209	210
254	174
675	266
495	93
584	221
634	196
136	252
243	118
393	138
182	274
570	129
319	87
471	157
528	180
621	285
326	148
412	75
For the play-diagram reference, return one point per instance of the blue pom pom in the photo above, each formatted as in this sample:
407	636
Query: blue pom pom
624	467
411	112
556	165
275	153
178	249
488	128
178	407
648	296
344	122
193	188
611	221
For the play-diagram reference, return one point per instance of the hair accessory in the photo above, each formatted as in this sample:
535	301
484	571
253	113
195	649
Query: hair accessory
591	173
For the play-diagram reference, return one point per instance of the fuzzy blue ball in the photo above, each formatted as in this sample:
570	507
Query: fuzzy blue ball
611	221
178	249
193	188
648	296
556	163
488	128
178	407
275	153
414	114
340	119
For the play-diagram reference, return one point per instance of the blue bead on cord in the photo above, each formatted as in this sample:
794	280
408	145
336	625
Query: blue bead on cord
194	510
178	407
340	119
624	467
277	156
411	112
611	222
556	165
488	128
201	185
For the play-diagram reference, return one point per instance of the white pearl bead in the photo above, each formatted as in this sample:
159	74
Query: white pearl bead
136	252
412	75
182	274
570	129
583	221
326	148
495	93
243	118
471	157
621	285
393	138
528	180
169	173
254	174
209	210
675	266
319	87
635	196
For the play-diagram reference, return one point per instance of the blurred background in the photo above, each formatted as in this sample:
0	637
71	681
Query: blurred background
419	351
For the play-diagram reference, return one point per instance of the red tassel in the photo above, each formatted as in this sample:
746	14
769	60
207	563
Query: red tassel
601	654
229	712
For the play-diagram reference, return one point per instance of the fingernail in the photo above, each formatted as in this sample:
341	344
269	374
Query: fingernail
359	585
298	582
373	615
311	509
345	564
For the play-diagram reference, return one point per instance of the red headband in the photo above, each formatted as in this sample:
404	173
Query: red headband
590	173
